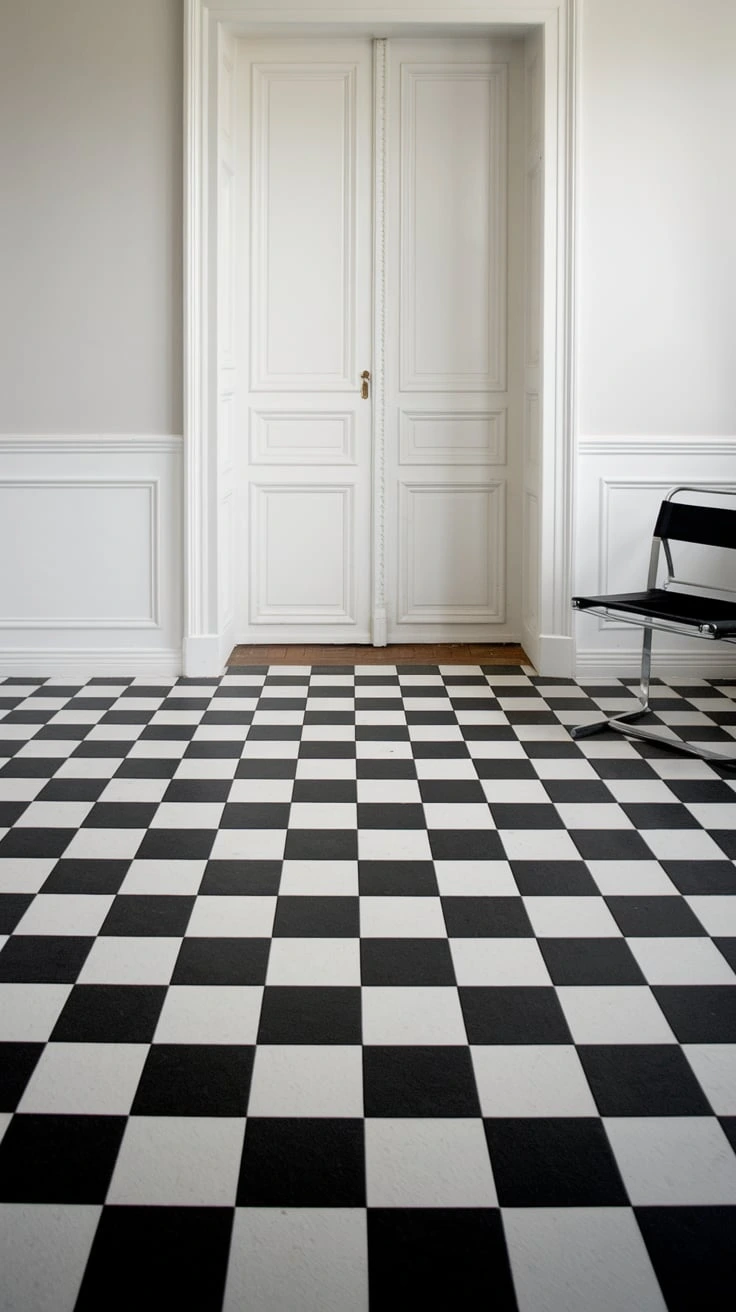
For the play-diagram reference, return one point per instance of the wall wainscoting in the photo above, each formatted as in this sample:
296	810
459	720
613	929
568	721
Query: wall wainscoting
90	537
620	483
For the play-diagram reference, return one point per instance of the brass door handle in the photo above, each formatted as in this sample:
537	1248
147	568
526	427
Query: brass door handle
366	377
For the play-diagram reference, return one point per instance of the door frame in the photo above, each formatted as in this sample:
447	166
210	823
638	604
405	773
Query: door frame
207	636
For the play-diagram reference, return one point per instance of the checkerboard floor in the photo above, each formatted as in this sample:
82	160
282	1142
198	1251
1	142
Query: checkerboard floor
339	988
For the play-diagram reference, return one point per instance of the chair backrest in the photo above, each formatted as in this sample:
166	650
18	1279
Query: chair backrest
711	526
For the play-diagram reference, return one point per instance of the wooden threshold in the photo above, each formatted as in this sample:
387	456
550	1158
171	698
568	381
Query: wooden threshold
412	653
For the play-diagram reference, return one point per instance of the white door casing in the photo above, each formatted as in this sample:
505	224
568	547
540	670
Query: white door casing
304	449
206	21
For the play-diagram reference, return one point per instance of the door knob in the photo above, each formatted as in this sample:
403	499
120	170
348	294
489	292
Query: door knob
366	376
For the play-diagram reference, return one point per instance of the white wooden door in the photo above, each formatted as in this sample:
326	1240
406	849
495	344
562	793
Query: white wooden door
453	352
305	505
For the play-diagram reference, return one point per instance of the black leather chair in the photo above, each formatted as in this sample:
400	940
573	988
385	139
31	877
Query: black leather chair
692	609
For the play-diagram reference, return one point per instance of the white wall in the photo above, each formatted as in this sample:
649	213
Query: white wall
91	214
90	334
656	274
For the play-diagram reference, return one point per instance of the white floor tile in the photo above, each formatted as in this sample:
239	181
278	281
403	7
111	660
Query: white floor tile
232	917
323	815
427	1015
666	1161
178	1161
716	913
111	844
319	878
29	1012
248	845
327	1270
631	878
538	845
715	1067
188	815
578	1259
76	914
498	961
171	878
619	1013
401	917
531	1080
681	961
78	1079
475	879
130	961
200	1013
24	874
393	845
571	917
43	1254
316	961
428	1163
307	1080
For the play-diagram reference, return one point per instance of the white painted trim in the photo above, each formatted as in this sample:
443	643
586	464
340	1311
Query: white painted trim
556	655
379	618
201	655
559	421
197	511
657	445
152	621
595	663
104	444
88	662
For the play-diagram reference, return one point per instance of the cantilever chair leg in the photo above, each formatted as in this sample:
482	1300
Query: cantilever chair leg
624	723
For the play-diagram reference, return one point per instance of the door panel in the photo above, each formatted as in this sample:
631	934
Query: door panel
305	549
452	448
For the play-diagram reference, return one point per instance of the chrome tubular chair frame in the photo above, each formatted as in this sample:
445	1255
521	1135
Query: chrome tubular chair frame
672	623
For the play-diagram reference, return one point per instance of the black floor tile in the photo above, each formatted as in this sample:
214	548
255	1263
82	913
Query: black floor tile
438	1257
183	1252
317	1162
553	1162
181	1079
310	1015
419	1081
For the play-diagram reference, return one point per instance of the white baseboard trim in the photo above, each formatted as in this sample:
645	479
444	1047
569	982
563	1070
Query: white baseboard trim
380	627
227	642
595	664
556	655
88	662
201	656
530	643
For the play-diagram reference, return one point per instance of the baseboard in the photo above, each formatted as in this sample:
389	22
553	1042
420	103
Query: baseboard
710	664
201	656
530	643
380	626
88	662
556	655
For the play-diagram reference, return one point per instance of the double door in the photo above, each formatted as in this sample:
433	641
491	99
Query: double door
373	342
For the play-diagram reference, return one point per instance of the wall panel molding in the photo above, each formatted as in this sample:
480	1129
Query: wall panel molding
92	526
89	443
656	445
57	541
